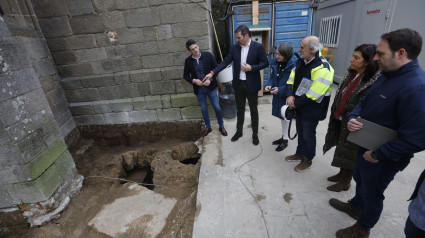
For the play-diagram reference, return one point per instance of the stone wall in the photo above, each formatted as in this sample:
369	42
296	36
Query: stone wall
138	77
23	26
34	159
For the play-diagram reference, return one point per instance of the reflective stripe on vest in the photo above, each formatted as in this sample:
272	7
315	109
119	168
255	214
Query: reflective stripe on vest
291	77
321	85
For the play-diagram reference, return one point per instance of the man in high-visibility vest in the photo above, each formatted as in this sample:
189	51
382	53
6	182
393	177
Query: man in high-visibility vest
308	91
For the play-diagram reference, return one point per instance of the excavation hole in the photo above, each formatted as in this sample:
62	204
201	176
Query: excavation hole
191	160
141	175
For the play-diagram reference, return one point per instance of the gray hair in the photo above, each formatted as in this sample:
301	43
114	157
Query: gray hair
315	44
285	50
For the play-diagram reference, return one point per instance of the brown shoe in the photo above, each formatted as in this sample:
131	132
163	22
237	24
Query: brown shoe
293	158
336	177
223	131
303	165
206	132
345	207
344	182
354	231
338	187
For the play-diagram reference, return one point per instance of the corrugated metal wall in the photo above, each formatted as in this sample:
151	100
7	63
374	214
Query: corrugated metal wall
293	22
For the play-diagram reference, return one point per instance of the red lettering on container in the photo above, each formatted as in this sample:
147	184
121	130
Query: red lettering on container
376	11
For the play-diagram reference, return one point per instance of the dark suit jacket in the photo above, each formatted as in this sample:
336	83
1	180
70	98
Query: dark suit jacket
190	73
257	58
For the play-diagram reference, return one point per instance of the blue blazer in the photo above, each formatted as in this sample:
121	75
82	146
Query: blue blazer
257	58
190	72
279	100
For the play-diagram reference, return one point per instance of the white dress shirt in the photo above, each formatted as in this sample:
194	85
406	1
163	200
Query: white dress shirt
244	54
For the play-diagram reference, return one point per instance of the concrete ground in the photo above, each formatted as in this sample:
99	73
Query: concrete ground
294	204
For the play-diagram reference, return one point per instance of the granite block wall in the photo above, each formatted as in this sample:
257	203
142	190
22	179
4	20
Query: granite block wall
34	159
24	26
136	76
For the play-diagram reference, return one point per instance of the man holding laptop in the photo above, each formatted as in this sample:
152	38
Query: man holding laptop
395	101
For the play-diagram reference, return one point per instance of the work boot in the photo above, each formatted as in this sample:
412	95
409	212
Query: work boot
293	158
354	231
282	145
336	177
278	141
344	183
303	165
345	207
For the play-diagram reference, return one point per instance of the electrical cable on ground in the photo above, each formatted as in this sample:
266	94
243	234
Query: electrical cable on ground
126	180
258	205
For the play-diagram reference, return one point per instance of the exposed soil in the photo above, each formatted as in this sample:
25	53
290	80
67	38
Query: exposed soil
175	162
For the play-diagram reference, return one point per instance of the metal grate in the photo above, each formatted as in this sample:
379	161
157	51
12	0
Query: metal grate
329	30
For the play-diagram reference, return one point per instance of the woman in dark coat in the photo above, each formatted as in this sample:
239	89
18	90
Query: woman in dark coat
280	69
362	73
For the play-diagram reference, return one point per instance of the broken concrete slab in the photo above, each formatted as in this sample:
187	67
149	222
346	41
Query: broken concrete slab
145	213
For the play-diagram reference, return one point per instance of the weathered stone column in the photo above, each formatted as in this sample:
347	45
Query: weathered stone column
34	159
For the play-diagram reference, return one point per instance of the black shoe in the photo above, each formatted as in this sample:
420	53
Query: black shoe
206	132
223	131
236	136
255	140
282	145
277	142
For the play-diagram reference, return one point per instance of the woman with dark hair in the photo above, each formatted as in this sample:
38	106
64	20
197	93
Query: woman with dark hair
281	67
360	76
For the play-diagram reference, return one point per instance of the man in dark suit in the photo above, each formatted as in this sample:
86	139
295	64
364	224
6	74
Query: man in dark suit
248	57
195	67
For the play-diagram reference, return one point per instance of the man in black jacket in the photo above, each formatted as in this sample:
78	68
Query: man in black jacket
248	57
196	66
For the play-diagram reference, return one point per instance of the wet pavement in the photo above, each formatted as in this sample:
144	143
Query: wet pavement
251	191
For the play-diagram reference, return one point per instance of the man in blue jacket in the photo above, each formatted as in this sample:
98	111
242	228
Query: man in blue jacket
196	66
395	101
248	57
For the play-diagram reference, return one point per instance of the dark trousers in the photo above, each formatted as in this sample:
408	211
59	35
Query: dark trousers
412	231
306	130
241	94
371	181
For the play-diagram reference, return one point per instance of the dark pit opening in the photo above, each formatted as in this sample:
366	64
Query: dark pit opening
141	175
191	160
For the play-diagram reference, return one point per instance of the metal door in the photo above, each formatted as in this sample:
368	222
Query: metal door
293	21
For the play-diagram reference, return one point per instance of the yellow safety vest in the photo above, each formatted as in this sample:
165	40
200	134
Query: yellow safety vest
322	78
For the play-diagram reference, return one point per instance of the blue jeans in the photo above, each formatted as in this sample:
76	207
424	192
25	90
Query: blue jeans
202	98
412	231
306	130
371	181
